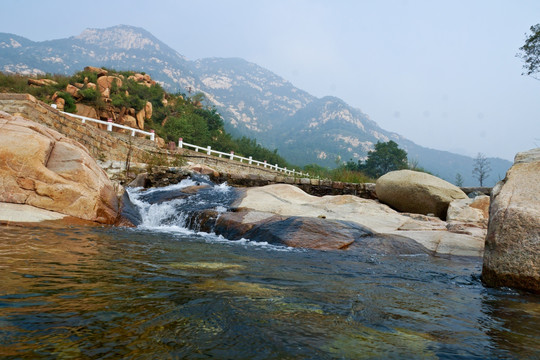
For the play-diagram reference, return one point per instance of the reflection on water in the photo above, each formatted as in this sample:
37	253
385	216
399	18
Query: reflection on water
86	292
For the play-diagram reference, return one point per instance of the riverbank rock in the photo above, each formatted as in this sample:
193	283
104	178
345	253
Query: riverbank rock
417	192
469	210
307	232
42	168
287	201
512	256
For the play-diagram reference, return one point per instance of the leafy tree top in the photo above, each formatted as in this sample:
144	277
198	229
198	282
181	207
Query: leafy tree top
386	157
530	51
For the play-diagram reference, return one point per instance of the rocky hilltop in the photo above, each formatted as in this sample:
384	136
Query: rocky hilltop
254	101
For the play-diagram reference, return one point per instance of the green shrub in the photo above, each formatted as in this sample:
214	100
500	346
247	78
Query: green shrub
342	173
69	105
81	75
89	94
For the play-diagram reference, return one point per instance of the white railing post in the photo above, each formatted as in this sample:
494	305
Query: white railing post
276	167
265	163
180	143
109	125
250	160
152	135
132	132
209	151
232	154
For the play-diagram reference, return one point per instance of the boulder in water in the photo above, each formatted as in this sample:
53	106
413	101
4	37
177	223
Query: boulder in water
311	232
512	251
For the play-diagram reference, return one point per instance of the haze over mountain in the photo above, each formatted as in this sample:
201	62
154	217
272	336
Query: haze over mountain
253	101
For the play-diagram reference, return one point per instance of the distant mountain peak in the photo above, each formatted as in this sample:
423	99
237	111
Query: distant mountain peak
125	38
120	37
13	41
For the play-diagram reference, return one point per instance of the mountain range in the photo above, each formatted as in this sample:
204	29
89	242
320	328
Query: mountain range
252	100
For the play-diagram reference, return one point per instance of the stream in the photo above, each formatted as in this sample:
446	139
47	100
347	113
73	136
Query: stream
166	290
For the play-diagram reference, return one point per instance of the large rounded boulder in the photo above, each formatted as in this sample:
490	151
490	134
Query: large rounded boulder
512	249
417	192
42	168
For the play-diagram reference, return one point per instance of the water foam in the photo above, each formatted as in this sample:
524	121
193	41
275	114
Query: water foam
172	216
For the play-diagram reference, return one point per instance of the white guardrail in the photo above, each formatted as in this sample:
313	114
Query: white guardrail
182	144
110	124
232	156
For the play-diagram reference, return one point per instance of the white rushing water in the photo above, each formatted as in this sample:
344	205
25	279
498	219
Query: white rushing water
153	214
169	210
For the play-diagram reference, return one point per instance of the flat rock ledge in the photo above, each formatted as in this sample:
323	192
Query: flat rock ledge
20	213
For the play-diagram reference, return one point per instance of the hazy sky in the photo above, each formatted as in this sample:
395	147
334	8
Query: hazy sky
442	73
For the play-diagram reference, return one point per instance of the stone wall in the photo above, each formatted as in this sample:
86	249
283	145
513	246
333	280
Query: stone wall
315	187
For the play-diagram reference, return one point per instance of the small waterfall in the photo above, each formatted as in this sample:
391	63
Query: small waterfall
177	207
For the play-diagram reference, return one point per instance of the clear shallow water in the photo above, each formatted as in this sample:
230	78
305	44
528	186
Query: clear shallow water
167	292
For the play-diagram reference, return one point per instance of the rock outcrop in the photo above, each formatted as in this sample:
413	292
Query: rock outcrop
264	206
104	83
85	110
41	82
142	79
148	110
42	168
417	192
129	120
108	86
98	71
512	251
60	103
140	119
73	91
